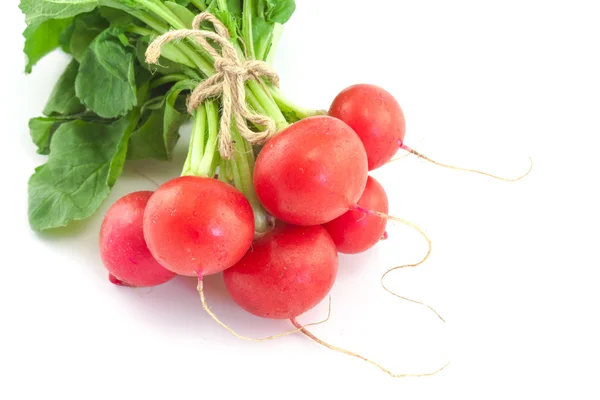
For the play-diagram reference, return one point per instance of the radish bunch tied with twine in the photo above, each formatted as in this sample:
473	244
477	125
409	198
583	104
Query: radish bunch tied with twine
270	192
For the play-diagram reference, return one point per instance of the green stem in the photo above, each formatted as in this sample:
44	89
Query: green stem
268	104
242	165
247	28
176	51
222	4
138	30
196	146
208	164
167	79
276	37
163	12
203	65
254	104
235	173
199	4
287	106
263	99
261	48
160	9
259	100
249	155
224	171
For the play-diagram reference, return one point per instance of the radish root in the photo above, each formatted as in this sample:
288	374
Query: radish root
237	335
418	229
416	153
398	158
353	354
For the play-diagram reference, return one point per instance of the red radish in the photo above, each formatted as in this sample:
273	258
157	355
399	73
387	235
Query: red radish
355	231
286	273
122	246
198	226
312	172
113	279
377	118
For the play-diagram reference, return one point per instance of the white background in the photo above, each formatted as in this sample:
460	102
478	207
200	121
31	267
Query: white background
515	265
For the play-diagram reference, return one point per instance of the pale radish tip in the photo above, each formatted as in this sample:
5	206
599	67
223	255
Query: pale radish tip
114	280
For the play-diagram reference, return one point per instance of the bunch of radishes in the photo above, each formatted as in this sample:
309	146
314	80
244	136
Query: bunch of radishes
272	216
312	178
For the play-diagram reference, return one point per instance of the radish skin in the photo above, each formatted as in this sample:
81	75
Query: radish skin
312	172
355	232
198	225
286	273
376	117
123	249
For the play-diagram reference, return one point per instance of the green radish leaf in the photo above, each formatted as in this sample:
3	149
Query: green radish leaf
39	11
279	11
147	141
165	64
63	100
82	32
116	17
142	81
261	34
132	7
158	132
41	130
229	21
41	39
230	16
212	6
235	7
85	160
184	3
155	103
175	115
157	135
266	20
185	15
106	79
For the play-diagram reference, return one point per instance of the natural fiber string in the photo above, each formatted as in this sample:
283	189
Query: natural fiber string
234	333
416	153
228	81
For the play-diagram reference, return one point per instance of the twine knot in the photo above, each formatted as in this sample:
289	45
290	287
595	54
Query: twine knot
229	81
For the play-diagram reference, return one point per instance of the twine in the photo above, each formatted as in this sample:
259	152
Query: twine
228	81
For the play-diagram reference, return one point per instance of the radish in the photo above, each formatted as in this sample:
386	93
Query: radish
377	118
113	279
196	225
286	273
355	231
123	249
312	172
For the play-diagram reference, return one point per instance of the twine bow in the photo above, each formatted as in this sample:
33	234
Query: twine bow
228	81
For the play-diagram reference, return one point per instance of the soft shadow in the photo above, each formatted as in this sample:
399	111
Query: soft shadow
73	229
